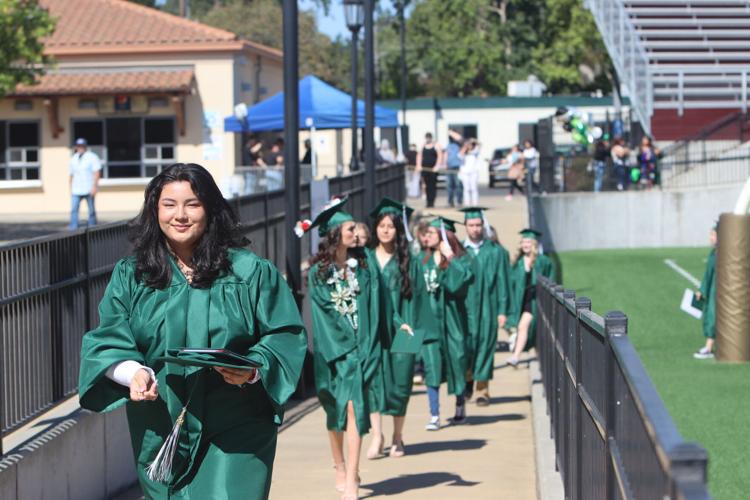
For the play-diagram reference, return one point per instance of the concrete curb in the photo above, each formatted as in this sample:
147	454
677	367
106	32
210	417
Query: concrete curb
549	484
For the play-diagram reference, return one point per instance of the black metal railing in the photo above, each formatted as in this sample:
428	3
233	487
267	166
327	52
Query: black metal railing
614	438
50	288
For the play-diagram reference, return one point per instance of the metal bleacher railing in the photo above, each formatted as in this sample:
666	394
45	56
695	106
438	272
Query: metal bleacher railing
614	438
50	288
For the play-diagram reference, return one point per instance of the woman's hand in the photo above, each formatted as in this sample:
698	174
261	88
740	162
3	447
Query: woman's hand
501	320
407	329
698	296
446	250
143	387
235	376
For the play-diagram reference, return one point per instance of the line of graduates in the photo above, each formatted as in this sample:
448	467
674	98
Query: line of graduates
377	310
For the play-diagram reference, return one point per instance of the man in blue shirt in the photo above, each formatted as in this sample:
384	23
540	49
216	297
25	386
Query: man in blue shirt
85	170
453	164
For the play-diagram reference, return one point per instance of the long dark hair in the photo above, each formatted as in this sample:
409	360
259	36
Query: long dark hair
456	247
326	256
210	256
402	249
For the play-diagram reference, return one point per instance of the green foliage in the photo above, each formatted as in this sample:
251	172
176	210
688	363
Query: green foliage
706	399
23	25
261	21
571	56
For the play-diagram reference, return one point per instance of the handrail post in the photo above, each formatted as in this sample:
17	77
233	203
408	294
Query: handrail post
615	325
582	304
688	463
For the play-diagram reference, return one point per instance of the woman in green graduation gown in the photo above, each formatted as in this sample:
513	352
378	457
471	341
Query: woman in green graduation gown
448	276
707	297
349	321
529	264
191	284
402	277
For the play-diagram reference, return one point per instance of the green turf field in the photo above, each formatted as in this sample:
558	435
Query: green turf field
709	401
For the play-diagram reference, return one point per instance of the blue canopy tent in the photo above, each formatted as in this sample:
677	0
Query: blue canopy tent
320	106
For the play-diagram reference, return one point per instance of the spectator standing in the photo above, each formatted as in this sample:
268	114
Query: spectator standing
470	171
307	159
385	155
620	157
254	148
647	157
515	171
413	181
601	152
85	170
531	161
275	157
453	163
428	159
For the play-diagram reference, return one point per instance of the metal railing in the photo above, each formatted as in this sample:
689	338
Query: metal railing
614	438
50	288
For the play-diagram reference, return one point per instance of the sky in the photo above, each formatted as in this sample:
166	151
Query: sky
333	24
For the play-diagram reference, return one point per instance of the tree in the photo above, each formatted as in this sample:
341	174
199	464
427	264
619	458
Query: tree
23	26
261	21
571	56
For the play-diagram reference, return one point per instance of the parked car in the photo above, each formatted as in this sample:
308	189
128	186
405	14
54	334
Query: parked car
498	167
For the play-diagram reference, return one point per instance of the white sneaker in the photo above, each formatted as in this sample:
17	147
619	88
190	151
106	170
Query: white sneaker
512	342
434	424
703	353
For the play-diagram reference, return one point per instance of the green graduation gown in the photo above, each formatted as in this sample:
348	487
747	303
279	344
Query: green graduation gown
347	361
228	441
543	266
398	367
708	294
444	349
489	297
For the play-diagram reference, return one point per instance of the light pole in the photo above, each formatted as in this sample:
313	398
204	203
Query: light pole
369	135
291	148
354	14
401	7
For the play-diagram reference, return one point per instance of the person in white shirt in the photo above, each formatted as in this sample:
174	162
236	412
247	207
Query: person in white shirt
469	172
531	161
85	170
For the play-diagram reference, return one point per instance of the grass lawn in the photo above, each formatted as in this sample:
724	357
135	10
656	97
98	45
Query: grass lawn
709	401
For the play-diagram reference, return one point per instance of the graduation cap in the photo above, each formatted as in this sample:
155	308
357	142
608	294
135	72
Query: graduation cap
444	223
531	234
473	212
390	206
331	217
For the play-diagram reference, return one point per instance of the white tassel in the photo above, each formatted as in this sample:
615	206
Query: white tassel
443	234
409	237
160	469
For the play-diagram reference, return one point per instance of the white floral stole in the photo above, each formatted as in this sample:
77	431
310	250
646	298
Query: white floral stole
346	289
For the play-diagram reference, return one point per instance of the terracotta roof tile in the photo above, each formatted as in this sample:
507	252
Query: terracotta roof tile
93	26
107	83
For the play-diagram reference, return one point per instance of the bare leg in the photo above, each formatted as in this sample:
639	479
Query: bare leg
336	440
376	446
354	448
397	448
710	344
523	334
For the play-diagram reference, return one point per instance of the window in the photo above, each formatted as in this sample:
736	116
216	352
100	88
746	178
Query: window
157	102
19	151
130	147
23	105
87	104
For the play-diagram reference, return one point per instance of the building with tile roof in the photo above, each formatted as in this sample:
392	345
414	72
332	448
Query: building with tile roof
145	88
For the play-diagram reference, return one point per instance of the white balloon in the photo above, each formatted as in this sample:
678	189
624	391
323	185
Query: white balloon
597	132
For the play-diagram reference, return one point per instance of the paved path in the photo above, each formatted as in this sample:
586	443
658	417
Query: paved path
490	457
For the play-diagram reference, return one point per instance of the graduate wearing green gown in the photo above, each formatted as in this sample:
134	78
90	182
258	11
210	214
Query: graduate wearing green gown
707	297
408	301
489	297
444	349
523	291
227	440
349	324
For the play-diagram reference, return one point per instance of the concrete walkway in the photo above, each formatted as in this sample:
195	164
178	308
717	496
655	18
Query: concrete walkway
489	457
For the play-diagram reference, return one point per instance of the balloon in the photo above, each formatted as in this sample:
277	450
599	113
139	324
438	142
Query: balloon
597	132
635	174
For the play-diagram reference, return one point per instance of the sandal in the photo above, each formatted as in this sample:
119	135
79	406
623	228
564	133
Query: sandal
376	452
397	449
340	470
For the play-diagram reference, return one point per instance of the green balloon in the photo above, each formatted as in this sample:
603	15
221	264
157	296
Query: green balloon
635	174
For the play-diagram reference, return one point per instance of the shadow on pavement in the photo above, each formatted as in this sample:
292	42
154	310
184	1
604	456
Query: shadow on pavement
508	399
435	446
408	482
492	419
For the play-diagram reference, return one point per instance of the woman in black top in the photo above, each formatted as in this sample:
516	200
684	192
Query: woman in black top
428	160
